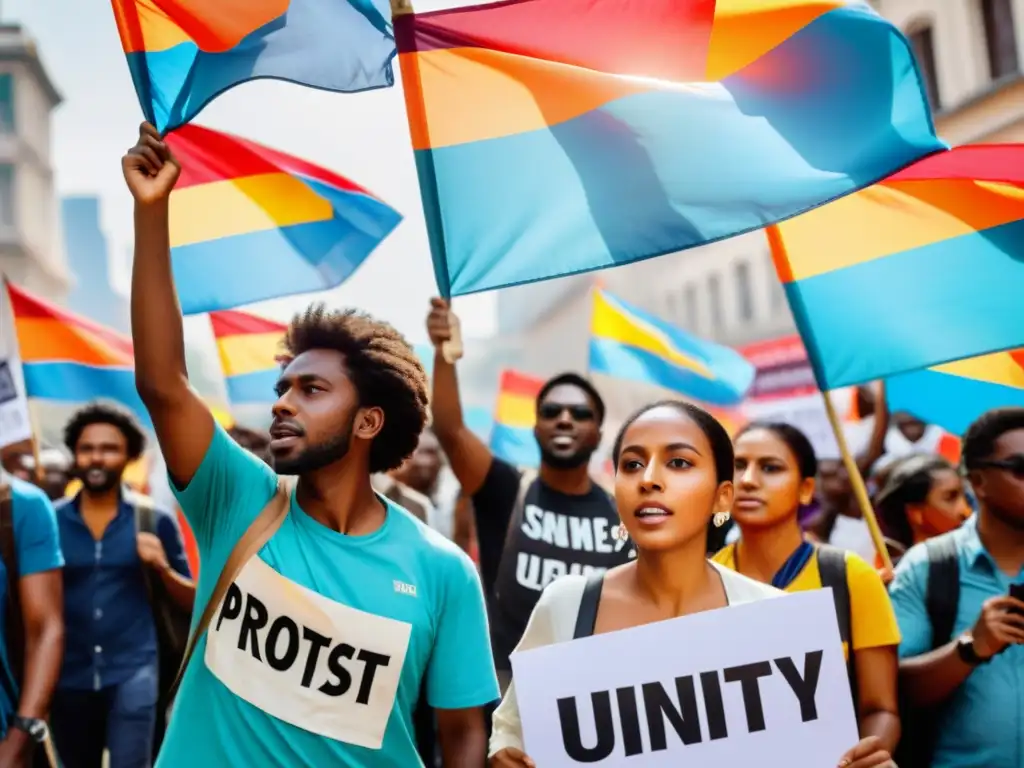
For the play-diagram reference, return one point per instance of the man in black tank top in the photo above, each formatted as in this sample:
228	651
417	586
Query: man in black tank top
532	527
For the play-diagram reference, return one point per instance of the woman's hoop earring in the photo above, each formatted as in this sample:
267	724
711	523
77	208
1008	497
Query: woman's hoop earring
720	519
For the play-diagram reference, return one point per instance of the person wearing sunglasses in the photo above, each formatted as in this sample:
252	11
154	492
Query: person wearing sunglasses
956	598
532	526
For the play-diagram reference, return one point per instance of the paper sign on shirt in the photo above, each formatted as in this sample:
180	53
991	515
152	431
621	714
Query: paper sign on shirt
305	659
731	688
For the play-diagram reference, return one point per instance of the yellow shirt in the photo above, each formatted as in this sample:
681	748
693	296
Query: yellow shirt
872	619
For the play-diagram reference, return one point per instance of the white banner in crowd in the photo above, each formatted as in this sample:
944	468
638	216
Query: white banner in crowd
15	424
731	688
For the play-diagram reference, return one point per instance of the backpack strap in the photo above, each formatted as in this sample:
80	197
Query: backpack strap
832	567
526	480
586	618
145	510
942	598
259	533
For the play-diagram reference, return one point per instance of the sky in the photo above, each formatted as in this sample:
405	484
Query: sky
362	136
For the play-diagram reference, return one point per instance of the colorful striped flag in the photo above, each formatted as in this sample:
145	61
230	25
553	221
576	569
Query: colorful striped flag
515	415
69	359
184	53
249	223
955	394
559	136
248	346
921	269
628	343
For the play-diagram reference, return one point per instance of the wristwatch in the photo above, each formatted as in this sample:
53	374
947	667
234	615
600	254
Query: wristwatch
33	726
965	650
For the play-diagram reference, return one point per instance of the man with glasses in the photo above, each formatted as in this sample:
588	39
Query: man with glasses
532	526
957	600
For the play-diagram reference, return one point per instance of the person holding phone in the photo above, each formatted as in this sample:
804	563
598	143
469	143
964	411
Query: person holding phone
963	639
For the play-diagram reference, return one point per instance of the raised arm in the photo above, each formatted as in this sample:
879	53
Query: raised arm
470	459
184	425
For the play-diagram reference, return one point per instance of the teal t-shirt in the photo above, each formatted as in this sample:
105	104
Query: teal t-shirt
319	650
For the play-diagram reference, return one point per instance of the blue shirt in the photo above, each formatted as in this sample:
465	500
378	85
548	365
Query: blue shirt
983	722
108	621
318	653
38	548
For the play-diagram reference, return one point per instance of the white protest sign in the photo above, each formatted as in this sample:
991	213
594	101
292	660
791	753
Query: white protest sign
15	424
762	683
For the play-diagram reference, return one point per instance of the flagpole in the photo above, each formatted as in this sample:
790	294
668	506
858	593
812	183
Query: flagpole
860	489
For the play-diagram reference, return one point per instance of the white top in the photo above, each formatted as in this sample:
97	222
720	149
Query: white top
554	621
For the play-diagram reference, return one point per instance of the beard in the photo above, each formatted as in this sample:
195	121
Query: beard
317	456
572	461
98	479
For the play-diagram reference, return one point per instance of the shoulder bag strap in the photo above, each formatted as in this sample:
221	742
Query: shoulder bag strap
586	618
832	567
259	533
942	595
515	519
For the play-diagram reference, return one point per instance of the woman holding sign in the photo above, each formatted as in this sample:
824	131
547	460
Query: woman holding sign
673	473
775	468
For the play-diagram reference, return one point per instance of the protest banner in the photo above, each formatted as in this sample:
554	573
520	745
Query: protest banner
761	683
784	390
15	425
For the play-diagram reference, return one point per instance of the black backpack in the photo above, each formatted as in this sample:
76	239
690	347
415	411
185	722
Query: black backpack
942	599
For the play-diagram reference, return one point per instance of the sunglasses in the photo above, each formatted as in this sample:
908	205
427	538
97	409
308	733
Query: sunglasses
549	411
1012	464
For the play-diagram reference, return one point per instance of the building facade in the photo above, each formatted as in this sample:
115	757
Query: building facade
88	256
31	251
970	53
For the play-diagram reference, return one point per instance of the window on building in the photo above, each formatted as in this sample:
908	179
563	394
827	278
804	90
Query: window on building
1000	38
690	308
744	294
924	52
715	304
6	195
6	103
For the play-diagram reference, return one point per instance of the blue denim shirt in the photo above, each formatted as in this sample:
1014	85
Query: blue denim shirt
109	629
983	722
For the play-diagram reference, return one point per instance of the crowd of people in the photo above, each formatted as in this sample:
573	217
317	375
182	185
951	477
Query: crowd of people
352	608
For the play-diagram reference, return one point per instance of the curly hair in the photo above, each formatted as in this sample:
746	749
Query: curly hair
101	412
383	368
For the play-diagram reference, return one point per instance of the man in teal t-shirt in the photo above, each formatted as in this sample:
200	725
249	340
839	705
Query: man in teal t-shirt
320	649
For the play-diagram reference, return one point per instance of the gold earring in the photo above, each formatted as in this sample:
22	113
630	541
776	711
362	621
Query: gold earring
720	519
621	533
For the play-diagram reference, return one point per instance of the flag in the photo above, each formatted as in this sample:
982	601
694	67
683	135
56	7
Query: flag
955	394
628	343
558	136
480	421
515	415
921	269
69	359
249	223
248	346
184	53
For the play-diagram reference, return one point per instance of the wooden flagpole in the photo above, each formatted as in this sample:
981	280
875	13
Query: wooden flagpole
860	489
